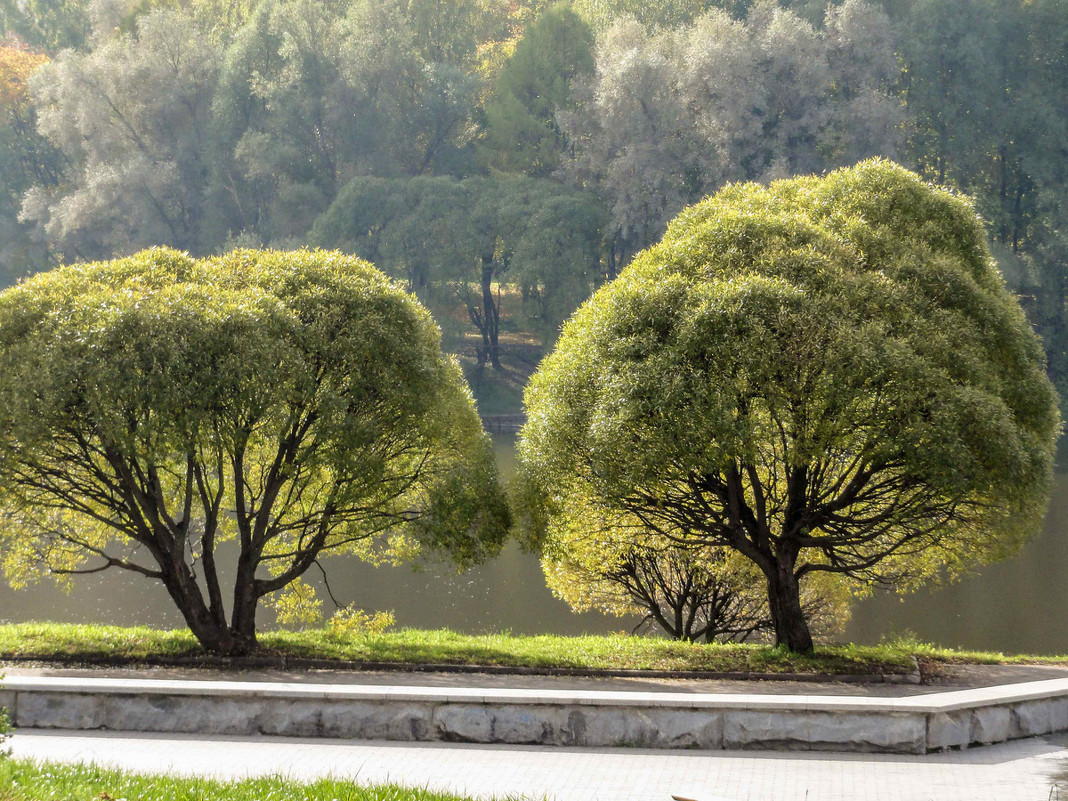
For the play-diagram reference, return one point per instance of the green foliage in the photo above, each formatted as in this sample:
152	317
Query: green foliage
455	242
709	594
48	25
521	130
297	403
26	780
657	14
824	375
82	644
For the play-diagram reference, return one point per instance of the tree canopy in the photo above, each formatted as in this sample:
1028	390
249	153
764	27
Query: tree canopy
297	404
823	374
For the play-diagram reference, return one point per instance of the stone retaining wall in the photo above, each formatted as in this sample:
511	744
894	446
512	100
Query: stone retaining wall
913	725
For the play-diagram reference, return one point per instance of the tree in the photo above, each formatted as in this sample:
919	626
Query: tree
521	130
295	403
132	118
711	593
672	115
985	83
824	375
26	158
457	242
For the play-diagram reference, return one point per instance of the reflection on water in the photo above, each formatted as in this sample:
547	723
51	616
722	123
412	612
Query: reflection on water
1014	606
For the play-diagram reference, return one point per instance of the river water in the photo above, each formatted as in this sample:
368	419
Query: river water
1014	606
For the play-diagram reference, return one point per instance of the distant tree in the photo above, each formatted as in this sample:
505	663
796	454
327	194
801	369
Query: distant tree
521	131
132	119
26	159
826	375
672	115
47	25
986	81
297	404
459	242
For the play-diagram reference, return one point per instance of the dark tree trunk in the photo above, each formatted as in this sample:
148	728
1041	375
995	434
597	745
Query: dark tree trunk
210	633
787	619
491	315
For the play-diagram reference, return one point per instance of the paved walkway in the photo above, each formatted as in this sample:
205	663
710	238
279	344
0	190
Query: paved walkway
1024	770
956	677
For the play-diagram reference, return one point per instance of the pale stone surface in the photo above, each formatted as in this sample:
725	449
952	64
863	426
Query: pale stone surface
529	725
1020	770
904	733
7	701
463	723
59	711
990	724
291	718
949	730
376	721
172	713
700	729
1058	714
938	721
1030	718
614	726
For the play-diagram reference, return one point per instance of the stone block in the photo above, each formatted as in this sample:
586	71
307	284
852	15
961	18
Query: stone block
1030	718
990	724
463	723
291	718
7	701
372	720
190	714
949	730
701	729
621	726
529	725
743	728
60	711
1058	714
820	731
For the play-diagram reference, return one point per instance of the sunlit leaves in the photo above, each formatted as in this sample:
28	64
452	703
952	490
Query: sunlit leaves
297	402
825	374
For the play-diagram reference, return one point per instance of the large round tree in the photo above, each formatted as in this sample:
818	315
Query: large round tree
298	404
826	374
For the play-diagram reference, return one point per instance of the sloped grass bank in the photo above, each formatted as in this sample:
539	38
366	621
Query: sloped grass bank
81	644
27	780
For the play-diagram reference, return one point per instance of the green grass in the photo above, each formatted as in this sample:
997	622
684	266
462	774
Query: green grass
54	642
27	780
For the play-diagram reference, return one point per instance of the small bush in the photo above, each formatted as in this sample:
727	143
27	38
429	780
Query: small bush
350	620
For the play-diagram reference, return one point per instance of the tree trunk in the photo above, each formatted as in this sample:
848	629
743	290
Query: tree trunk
787	618
490	313
243	622
212	635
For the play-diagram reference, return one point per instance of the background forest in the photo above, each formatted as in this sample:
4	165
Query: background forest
503	158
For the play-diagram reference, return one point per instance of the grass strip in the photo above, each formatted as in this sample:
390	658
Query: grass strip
618	652
29	780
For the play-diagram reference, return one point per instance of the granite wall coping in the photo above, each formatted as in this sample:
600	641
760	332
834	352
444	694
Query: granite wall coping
914	724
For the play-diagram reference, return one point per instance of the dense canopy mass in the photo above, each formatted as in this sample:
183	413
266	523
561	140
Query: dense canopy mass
826	374
297	403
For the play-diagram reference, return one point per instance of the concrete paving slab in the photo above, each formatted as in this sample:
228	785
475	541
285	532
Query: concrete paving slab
1034	769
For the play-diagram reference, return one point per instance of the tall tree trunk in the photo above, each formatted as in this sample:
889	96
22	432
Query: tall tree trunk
212	635
784	603
243	617
491	315
243	621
